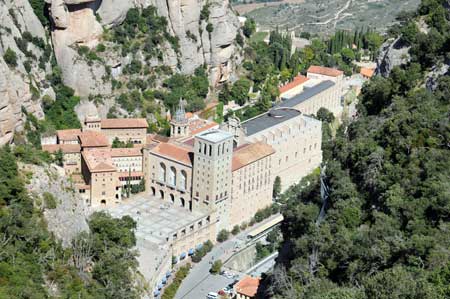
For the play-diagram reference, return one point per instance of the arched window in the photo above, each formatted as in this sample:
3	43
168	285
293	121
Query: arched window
204	149
182	202
183	180
153	191
172	198
218	149
162	172
210	150
172	176
200	147
161	194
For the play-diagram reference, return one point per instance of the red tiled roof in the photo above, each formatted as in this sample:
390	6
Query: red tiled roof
248	286
173	152
326	71
68	135
122	123
99	160
65	148
126	152
125	174
200	125
299	80
249	153
366	72
93	139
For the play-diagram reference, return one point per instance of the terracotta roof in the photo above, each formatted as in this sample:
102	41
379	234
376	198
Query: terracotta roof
248	286
93	139
126	152
326	71
366	72
65	148
299	80
119	123
173	152
201	125
250	153
68	135
99	160
125	174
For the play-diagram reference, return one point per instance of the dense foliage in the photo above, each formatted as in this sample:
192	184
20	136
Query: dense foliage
31	260
384	230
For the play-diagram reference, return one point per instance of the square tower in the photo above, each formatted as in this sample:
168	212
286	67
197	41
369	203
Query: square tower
213	151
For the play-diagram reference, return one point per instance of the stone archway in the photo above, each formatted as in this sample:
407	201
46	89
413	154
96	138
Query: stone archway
182	202
161	194
172	198
153	191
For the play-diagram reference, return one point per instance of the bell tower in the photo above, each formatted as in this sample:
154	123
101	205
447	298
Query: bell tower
179	125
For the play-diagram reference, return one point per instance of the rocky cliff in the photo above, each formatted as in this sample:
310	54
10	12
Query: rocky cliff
205	31
392	53
22	75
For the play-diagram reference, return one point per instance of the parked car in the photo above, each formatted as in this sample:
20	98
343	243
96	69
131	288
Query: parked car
212	295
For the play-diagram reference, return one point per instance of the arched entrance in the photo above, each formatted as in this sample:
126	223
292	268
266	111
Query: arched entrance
103	202
161	194
153	191
172	198
183	202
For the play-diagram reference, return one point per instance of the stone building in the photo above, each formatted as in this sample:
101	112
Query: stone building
252	181
296	139
101	176
71	156
132	130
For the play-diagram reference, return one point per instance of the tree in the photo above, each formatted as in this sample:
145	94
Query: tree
10	57
59	157
216	267
223	235
240	90
276	187
249	27
325	115
236	229
348	55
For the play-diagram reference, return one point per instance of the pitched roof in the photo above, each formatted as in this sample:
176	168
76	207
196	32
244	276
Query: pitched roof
173	152
68	135
249	153
299	80
65	148
366	72
99	160
269	119
248	286
307	94
326	71
93	139
126	152
201	125
121	123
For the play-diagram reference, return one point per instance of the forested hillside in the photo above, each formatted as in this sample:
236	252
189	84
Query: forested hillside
33	264
385	230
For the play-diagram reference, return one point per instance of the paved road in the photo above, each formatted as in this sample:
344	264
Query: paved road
200	282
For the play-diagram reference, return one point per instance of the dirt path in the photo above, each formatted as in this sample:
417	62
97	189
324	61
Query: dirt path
336	16
242	9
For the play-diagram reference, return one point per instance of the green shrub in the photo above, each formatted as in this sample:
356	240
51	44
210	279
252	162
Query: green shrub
10	57
49	200
216	267
171	290
236	230
223	235
209	27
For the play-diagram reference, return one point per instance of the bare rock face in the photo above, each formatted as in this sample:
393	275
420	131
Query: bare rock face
82	29
20	87
113	12
392	54
60	14
69	217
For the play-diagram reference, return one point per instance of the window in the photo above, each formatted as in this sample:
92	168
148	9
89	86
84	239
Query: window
172	176
162	172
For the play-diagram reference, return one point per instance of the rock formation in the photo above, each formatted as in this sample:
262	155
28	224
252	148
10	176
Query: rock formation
20	86
393	53
69	217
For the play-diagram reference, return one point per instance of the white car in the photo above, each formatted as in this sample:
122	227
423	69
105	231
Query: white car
212	295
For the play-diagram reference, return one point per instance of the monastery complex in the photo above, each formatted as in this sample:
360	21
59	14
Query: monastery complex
218	175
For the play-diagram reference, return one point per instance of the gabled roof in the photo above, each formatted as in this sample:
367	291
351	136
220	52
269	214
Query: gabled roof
249	153
125	152
122	123
65	148
307	94
93	139
248	286
326	71
98	160
68	135
173	152
299	80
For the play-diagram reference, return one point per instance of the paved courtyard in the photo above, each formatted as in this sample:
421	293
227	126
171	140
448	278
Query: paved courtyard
156	221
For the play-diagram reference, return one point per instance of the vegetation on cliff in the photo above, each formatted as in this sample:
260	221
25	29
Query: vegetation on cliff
384	230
